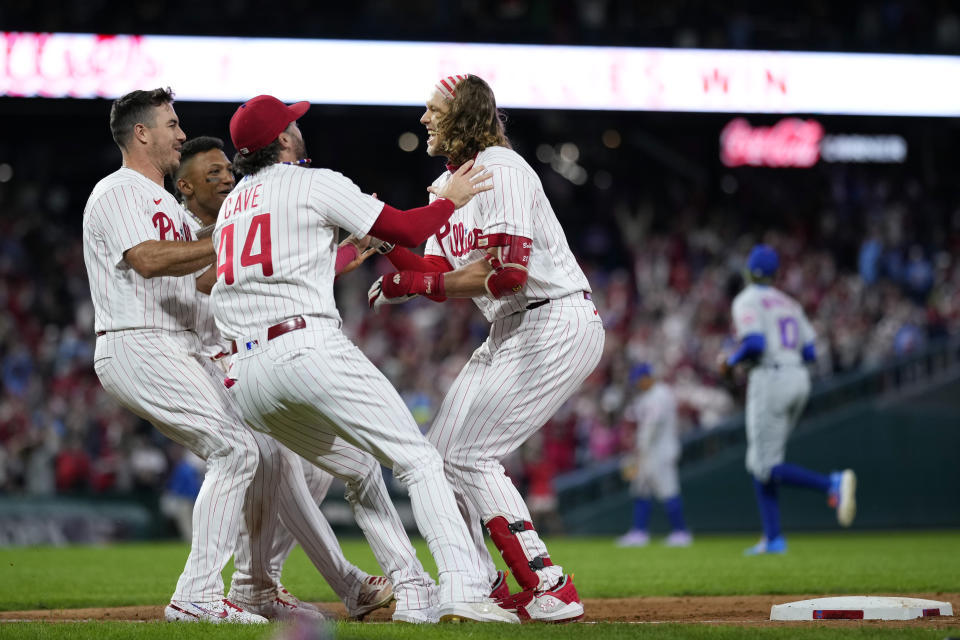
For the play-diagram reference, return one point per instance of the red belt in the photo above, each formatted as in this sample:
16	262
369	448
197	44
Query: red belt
278	330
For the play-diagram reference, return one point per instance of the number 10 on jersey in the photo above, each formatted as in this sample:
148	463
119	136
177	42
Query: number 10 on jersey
257	237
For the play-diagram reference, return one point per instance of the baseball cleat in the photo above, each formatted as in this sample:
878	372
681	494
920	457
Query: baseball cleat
561	603
777	545
375	592
846	495
430	615
484	611
679	538
634	538
287	607
283	594
218	612
500	589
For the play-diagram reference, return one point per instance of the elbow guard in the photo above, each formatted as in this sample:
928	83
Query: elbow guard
509	260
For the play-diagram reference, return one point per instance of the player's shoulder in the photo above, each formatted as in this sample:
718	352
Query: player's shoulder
323	175
502	157
116	189
786	298
747	295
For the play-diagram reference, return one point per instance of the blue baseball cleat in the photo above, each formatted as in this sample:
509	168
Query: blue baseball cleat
842	496
777	545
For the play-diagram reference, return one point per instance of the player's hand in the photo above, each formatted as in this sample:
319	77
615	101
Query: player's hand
376	297
723	367
364	247
403	285
381	246
468	181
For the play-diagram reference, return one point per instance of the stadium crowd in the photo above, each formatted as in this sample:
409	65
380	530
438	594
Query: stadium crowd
664	297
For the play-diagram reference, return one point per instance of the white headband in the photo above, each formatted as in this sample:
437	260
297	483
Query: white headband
447	85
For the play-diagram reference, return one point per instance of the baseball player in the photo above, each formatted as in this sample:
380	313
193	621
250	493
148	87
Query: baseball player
204	179
653	465
140	258
297	376
776	338
507	251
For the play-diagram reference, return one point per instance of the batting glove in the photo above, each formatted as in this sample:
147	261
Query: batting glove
382	246
401	286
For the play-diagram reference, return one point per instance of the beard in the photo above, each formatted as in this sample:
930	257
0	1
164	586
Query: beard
300	149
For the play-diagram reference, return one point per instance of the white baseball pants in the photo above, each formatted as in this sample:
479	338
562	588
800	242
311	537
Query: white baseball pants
314	533
343	577
529	365
159	376
314	391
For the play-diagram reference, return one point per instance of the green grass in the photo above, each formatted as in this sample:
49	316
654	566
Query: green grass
894	562
843	562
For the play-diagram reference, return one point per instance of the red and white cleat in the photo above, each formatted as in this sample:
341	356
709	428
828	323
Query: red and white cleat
561	603
284	606
375	592
283	594
218	612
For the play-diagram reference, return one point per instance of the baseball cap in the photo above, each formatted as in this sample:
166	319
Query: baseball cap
640	370
763	261
258	121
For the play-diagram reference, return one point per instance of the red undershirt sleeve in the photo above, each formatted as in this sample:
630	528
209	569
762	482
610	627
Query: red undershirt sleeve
411	227
345	255
405	260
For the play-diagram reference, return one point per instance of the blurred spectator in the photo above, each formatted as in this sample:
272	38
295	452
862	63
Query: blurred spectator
72	466
181	490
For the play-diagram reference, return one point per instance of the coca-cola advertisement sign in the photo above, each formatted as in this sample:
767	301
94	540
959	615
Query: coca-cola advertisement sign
794	142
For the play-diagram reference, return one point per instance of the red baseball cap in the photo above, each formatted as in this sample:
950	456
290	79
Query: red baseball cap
258	121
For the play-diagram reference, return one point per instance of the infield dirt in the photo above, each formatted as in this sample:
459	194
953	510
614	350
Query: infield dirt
736	610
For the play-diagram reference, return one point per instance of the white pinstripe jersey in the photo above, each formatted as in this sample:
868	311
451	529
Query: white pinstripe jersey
276	240
516	206
206	325
778	317
125	209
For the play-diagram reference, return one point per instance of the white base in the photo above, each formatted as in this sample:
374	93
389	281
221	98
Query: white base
860	608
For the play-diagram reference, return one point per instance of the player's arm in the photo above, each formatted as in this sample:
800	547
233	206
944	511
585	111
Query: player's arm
154	258
808	337
749	330
206	281
411	227
751	347
502	272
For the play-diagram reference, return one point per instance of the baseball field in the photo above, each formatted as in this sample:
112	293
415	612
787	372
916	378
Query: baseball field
709	590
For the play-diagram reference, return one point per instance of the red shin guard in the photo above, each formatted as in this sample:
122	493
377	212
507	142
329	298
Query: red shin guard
523	568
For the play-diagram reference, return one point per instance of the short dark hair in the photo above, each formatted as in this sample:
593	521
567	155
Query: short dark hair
260	159
196	146
133	108
191	148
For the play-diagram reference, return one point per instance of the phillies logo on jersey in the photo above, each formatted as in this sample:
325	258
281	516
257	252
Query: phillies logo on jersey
164	225
461	241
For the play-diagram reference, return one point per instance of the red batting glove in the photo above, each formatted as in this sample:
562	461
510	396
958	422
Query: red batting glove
403	283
